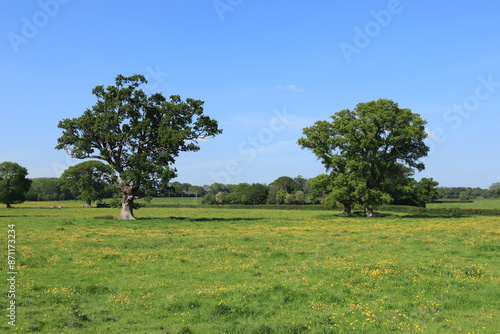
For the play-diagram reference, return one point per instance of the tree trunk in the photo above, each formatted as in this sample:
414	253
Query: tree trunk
8	206
88	204
128	196
369	212
127	212
347	209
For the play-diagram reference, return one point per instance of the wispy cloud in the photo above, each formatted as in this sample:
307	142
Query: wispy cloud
431	134
292	88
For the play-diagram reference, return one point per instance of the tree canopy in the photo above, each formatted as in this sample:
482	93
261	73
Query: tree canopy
280	188
13	183
364	147
138	135
48	189
249	194
89	180
495	189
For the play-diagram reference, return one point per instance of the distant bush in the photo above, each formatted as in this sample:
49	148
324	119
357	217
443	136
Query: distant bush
208	199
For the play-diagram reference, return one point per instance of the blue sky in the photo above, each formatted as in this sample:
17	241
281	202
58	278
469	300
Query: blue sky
265	69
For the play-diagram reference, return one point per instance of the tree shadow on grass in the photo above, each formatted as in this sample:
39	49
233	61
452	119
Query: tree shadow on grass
187	219
356	214
379	215
201	219
25	216
420	215
432	216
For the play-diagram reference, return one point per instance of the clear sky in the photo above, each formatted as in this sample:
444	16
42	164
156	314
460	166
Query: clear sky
265	69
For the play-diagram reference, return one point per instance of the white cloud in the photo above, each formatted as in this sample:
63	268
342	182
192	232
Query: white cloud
431	134
292	87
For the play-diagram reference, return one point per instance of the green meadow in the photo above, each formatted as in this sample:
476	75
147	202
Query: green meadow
187	268
486	203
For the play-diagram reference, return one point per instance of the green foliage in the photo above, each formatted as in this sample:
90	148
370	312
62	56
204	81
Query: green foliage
425	191
320	187
495	189
282	184
138	135
209	199
243	193
302	183
177	189
249	194
280	197
406	191
463	196
197	191
89	179
48	189
219	187
13	183
364	147
285	183
299	197
290	191
454	192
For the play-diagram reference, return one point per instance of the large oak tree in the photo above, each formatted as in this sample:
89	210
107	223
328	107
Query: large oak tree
138	135
13	183
364	147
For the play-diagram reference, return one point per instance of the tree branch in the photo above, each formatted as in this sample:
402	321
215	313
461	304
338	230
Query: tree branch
112	177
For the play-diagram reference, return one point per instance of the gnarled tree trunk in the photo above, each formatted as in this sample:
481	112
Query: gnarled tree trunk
369	212
88	204
128	196
347	209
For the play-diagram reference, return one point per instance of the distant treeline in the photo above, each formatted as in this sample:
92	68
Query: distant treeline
283	191
463	193
49	189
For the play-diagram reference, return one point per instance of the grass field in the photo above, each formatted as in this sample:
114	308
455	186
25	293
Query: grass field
486	203
192	269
